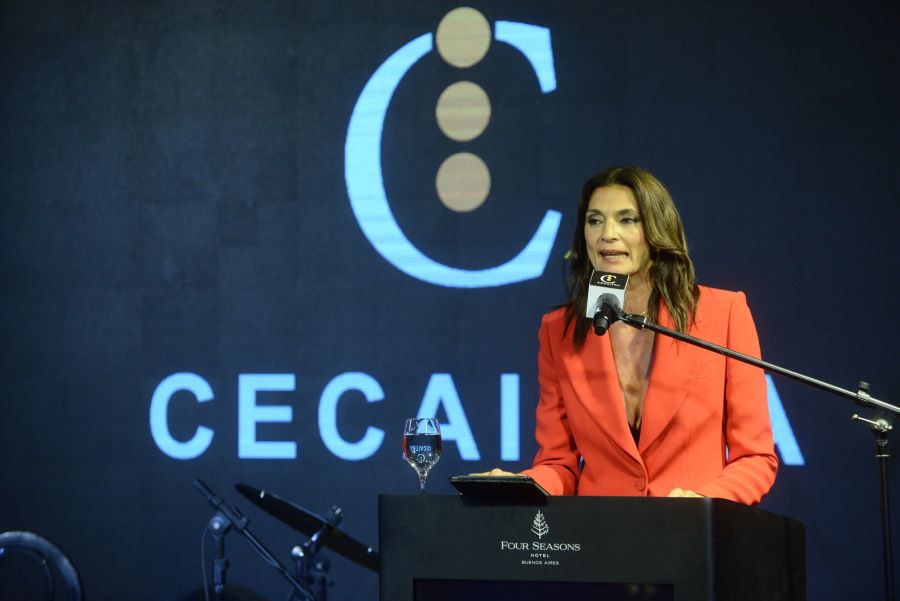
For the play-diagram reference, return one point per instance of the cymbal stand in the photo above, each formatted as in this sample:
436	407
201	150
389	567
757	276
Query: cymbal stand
312	570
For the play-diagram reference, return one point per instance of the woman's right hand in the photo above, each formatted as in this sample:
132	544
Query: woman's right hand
495	472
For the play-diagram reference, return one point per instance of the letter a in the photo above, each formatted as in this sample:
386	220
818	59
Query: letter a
442	391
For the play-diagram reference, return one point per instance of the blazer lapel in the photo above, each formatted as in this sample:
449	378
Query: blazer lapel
596	383
675	365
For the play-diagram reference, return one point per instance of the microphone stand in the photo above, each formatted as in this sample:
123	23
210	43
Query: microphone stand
880	427
219	525
240	522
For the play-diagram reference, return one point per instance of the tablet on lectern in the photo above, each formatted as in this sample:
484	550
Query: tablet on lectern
499	488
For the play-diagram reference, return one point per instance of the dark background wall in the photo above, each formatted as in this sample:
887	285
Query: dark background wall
173	199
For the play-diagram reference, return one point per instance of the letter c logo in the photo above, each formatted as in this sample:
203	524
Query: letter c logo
365	183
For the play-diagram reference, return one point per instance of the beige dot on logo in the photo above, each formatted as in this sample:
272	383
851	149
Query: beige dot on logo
463	182
463	37
463	111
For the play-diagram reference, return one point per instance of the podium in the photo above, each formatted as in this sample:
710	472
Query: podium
437	548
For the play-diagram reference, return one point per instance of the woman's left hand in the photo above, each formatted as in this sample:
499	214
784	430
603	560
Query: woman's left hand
683	492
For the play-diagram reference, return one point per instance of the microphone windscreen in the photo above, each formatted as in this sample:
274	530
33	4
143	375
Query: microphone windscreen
612	300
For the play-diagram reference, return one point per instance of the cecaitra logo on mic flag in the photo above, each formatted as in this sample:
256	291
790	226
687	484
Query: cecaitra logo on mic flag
601	283
463	180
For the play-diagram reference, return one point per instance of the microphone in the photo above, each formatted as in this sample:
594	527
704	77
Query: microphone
606	296
609	312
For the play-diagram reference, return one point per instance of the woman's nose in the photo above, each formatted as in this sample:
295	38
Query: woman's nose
609	231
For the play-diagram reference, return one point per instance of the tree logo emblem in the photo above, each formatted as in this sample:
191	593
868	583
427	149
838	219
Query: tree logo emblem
539	526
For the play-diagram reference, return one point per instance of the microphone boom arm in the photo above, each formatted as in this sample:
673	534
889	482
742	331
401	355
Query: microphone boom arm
860	397
880	427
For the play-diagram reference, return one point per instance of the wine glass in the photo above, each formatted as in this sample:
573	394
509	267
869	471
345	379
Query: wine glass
422	445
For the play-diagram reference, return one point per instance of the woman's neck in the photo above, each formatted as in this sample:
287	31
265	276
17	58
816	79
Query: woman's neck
637	293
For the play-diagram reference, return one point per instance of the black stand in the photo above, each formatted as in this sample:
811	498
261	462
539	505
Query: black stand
219	525
237	519
880	427
310	568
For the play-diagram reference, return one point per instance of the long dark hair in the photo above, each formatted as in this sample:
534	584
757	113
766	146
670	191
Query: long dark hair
671	272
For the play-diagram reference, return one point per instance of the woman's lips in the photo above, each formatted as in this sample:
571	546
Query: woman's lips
613	256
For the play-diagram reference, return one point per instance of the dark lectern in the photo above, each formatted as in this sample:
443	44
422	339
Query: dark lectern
437	548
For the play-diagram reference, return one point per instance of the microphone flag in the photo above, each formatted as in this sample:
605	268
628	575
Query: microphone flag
601	283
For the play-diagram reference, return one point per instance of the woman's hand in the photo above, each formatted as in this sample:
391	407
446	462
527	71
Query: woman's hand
683	492
495	472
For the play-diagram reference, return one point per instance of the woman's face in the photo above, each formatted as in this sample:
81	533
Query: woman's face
613	232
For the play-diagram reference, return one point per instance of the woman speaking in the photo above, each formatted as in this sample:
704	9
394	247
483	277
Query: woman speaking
633	413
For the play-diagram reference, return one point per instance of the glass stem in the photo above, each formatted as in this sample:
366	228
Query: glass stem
422	484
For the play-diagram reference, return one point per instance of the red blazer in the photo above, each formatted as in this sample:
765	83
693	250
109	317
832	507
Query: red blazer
705	423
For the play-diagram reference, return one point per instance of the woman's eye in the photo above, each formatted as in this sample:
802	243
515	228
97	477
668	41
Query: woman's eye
629	219
594	221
